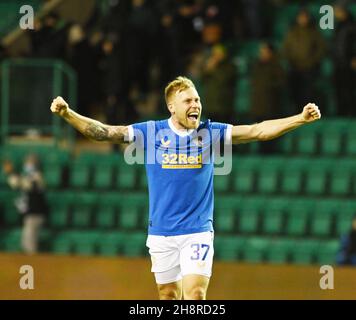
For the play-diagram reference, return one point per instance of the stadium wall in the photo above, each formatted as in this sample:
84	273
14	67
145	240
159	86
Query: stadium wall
64	277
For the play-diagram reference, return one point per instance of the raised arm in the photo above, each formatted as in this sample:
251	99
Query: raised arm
92	129
271	129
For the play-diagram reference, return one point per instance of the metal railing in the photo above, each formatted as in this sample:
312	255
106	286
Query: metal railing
27	89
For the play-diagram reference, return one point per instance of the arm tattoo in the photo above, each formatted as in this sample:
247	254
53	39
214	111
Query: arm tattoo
96	132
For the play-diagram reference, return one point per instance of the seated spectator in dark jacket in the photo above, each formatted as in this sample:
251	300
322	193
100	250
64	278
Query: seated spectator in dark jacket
347	252
267	88
267	83
219	81
344	59
304	48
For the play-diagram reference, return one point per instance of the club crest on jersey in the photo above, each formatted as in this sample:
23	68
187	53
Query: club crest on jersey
164	143
198	141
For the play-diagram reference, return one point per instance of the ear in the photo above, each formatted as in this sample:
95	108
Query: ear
171	108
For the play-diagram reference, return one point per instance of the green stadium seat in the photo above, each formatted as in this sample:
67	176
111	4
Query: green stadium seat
322	217
82	209
79	174
254	250
292	175
327	67
3	177
9	215
228	248
244	171
279	250
298	214
344	214
283	20
45	239
341	177
307	139
249	214
242	103
332	136
126	177
132	211
304	251
224	220
268	174
350	147
250	48
103	176
316	174
52	174
242	100
62	243
105	215
225	216
273	214
110	243
327	252
59	207
85	242
12	240
287	143
222	183
143	183
134	244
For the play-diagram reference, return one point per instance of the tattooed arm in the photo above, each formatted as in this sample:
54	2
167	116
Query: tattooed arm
92	129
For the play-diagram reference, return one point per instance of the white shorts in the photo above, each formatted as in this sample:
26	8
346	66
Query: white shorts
173	257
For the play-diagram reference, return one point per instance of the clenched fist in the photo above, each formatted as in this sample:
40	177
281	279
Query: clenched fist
59	106
311	112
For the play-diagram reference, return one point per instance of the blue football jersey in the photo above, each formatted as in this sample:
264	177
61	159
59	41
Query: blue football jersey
180	172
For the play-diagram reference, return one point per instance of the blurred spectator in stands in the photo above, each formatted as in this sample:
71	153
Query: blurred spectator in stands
347	252
189	24
267	87
3	52
32	203
344	59
303	47
218	79
83	58
223	11
254	12
49	37
140	36
212	34
117	106
167	50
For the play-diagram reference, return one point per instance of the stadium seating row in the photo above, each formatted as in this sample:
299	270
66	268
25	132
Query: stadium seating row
250	174
317	217
227	248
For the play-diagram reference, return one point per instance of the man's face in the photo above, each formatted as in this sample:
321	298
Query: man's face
354	224
265	53
186	107
303	19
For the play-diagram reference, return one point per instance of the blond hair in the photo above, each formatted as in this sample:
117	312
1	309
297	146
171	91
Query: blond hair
178	84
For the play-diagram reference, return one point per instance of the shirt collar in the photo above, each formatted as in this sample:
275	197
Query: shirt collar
179	132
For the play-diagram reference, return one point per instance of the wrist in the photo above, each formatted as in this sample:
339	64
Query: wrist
301	118
65	113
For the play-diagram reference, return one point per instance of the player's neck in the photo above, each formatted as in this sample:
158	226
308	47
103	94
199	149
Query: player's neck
177	127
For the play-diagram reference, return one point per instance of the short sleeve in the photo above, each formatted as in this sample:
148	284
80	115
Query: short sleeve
138	133
221	132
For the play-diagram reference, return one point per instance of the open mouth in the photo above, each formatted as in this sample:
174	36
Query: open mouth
193	116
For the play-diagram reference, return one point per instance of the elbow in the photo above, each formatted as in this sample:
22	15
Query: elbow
264	137
261	134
